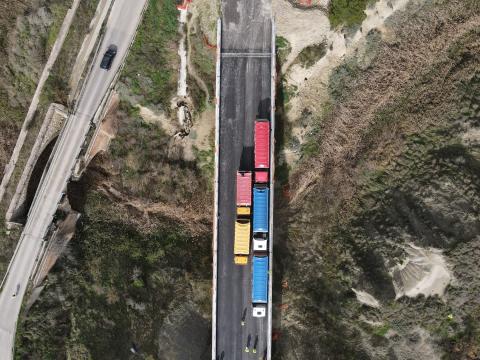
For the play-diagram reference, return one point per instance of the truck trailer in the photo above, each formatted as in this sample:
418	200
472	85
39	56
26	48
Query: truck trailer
244	188
241	246
262	144
259	285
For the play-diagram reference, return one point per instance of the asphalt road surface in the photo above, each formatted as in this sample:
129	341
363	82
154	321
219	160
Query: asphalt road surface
121	26
244	96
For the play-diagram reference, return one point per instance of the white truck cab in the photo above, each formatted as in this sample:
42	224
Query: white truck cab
260	242
259	311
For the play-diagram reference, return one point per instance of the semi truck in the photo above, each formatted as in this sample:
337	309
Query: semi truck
259	285
241	246
260	217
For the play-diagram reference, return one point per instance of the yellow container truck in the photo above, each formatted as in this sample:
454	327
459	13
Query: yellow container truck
241	245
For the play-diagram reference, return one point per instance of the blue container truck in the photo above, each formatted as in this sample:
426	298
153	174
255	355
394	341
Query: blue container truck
260	218
259	285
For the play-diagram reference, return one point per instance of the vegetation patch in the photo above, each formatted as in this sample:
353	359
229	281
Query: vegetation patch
148	165
58	11
203	61
282	172
342	79
150	69
311	143
206	162
381	330
464	338
56	87
311	54
347	13
115	288
283	48
288	92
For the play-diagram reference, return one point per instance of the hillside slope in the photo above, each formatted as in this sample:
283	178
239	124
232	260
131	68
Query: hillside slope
135	280
378	224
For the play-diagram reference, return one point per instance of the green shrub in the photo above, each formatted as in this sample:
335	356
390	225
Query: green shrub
283	48
311	54
347	12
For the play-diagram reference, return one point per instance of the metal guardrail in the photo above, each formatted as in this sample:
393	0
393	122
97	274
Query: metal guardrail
272	189
215	206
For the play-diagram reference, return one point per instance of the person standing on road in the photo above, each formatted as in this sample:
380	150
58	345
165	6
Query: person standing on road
247	348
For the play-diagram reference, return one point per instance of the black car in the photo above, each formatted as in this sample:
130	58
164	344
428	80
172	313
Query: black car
108	57
17	289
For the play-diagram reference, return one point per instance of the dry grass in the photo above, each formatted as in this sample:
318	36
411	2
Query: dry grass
382	104
376	179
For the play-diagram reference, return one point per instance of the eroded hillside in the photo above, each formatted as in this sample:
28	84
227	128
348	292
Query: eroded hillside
135	280
378	225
